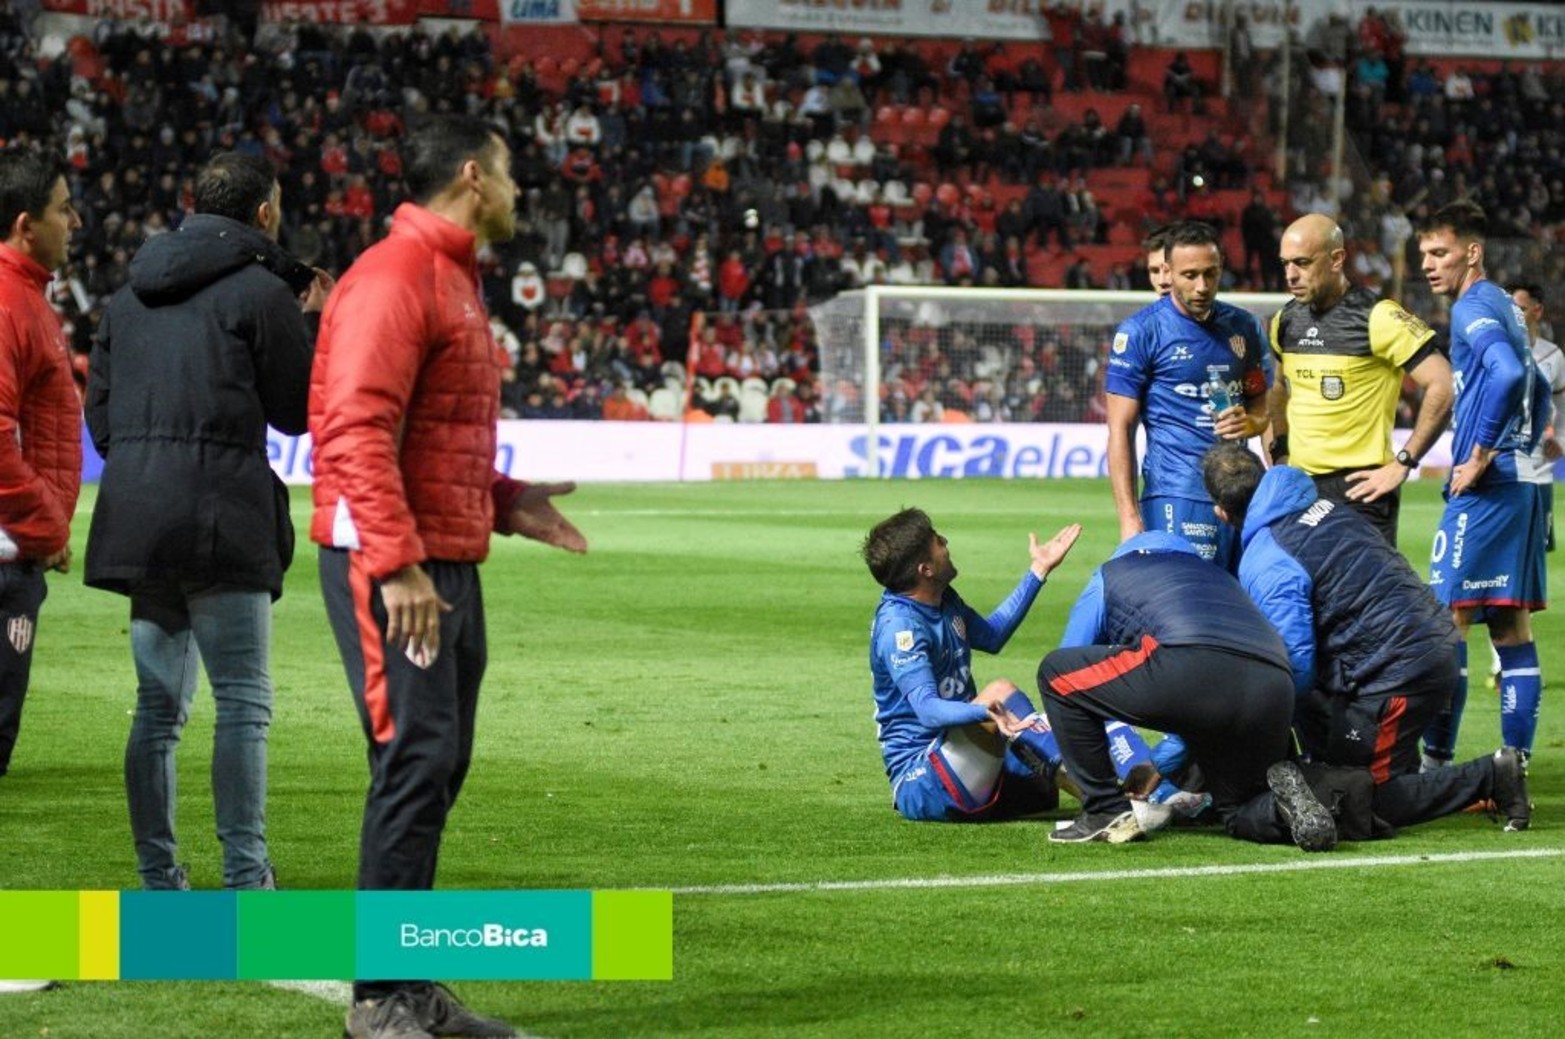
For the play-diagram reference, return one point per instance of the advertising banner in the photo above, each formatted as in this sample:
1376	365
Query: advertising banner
537	12
1437	28
656	452
952	19
672	12
342	12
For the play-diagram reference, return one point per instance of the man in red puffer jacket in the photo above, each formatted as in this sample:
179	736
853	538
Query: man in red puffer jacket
40	416
404	400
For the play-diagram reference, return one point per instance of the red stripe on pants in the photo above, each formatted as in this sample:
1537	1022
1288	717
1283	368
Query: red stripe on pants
372	646
1105	670
1386	739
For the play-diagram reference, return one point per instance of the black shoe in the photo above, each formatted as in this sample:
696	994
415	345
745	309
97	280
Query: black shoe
1309	821
394	1017
441	1013
1509	790
1108	827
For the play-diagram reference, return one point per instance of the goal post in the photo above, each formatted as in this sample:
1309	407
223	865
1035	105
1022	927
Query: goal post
894	354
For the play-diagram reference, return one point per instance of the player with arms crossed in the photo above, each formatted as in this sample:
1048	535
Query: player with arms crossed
1194	371
1487	560
954	753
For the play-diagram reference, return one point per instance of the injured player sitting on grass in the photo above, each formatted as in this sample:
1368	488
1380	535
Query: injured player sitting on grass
955	753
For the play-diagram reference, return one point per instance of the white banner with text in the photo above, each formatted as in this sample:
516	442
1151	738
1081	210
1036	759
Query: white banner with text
661	452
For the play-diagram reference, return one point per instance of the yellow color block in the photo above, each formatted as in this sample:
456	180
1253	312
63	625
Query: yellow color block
99	936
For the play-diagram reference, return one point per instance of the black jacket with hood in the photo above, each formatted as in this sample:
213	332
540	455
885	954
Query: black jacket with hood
196	355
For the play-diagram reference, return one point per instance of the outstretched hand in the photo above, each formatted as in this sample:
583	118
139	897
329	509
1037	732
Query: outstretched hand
1049	554
534	516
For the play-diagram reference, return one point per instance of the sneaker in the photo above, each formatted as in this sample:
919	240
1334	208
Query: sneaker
1309	821
1187	804
10	987
1510	790
1428	763
441	1013
1109	827
393	1017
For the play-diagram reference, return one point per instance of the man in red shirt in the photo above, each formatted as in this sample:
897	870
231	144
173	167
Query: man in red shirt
40	415
404	400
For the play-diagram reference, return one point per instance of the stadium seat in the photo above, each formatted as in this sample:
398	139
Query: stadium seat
754	384
663	404
569	67
922	193
725	382
913	116
948	194
752	406
885	115
939	116
673	370
704	390
895	192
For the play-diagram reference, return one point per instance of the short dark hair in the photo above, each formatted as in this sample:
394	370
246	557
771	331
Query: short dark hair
1463	218
27	179
1231	473
1191	232
234	185
1157	240
896	546
1532	289
436	147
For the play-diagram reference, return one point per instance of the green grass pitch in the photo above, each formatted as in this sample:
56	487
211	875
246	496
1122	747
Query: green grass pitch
688	706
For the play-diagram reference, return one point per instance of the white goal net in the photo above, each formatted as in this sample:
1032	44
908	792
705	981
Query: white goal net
892	354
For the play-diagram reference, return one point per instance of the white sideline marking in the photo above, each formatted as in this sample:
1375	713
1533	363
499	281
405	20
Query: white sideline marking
340	993
1012	879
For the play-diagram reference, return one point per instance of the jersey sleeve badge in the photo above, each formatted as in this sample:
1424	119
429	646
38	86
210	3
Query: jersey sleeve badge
904	641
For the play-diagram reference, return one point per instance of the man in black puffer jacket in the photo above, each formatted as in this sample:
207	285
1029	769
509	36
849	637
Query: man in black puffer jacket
206	346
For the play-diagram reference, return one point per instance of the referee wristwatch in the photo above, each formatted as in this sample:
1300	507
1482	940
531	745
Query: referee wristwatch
1405	459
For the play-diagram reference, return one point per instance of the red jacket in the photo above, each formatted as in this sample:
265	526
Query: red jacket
40	417
404	397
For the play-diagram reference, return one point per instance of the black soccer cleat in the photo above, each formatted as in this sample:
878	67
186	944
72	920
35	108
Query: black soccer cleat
1108	827
1509	790
1307	819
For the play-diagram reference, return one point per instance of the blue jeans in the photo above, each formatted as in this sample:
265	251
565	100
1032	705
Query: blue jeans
231	628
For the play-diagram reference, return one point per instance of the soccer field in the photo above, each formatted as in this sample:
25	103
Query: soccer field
688	707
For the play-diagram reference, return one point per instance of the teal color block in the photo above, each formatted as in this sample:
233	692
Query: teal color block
179	935
475	935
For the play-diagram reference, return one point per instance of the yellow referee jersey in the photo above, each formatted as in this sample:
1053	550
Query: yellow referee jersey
1344	370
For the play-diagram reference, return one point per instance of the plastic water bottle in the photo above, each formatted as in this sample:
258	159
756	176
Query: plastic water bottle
1217	393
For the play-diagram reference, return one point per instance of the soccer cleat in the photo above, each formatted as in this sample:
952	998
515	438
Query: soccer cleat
1187	804
1510	790
441	1013
1308	820
1108	827
394	1017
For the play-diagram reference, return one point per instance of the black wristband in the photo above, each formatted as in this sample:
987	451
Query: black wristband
1278	448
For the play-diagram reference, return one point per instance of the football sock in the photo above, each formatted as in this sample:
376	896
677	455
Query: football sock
1521	690
1127	748
1040	750
1440	736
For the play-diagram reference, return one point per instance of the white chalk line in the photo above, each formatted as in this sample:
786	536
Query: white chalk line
1015	879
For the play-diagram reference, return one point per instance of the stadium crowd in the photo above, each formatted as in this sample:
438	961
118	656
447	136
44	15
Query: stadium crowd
747	176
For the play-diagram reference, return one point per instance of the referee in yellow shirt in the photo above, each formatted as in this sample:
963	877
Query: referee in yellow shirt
1342	352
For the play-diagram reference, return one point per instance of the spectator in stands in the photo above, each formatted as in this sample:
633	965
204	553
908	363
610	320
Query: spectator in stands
1046	212
1259	233
1179	82
1132	137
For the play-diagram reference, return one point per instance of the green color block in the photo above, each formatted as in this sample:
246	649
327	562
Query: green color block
38	934
301	935
633	936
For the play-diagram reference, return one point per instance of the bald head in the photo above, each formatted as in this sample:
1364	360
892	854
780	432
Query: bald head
1312	256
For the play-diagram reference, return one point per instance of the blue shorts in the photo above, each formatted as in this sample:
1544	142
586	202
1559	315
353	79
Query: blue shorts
1197	523
930	789
1488	550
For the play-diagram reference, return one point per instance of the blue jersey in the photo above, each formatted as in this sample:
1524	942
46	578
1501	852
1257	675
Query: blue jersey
1497	384
921	662
1165	359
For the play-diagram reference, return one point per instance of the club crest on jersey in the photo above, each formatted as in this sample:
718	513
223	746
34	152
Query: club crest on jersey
20	633
959	626
1331	387
904	640
1121	342
1236	344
